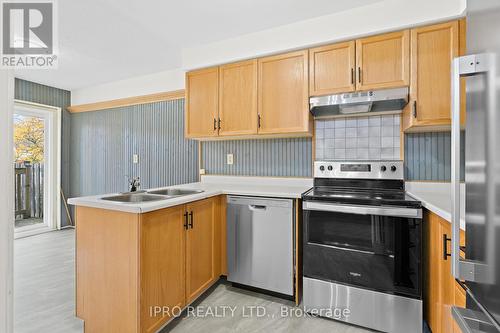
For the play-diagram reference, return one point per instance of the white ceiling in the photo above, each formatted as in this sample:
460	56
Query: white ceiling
107	40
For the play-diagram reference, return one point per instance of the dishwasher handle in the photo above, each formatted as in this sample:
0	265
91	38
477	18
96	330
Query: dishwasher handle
257	207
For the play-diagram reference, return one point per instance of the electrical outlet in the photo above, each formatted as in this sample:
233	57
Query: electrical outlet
230	159
202	171
135	158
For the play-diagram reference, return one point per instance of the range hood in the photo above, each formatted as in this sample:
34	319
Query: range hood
355	103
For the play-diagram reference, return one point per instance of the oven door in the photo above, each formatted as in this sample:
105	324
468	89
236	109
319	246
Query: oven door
368	246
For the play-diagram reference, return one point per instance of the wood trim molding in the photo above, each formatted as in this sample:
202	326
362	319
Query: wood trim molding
115	103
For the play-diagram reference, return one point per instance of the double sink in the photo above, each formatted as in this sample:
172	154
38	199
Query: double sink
148	196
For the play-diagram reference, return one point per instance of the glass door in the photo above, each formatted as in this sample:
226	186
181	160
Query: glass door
36	155
29	158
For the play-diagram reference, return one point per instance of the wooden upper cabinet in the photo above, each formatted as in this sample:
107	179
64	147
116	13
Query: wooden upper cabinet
162	270
332	69
238	98
432	51
283	94
202	102
383	61
200	248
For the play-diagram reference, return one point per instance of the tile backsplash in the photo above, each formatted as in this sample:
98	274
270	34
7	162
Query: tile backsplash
359	138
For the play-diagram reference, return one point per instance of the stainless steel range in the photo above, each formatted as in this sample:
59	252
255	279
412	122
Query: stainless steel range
362	246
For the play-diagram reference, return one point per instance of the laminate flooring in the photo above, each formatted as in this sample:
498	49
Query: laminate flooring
44	298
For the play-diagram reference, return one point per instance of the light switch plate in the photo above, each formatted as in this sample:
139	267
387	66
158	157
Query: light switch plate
135	158
230	159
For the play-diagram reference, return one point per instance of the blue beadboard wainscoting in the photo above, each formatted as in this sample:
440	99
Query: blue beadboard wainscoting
290	157
428	156
103	144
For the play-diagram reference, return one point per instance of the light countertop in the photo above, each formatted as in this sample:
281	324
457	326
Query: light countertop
211	186
436	197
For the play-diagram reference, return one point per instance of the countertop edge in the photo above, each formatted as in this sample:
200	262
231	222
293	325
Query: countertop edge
441	212
430	206
94	201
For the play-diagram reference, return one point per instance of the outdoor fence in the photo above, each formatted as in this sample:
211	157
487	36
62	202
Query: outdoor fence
29	190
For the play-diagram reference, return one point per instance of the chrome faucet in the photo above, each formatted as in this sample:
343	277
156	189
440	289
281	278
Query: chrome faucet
134	184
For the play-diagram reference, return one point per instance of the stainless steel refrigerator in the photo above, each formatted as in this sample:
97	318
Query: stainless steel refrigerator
480	271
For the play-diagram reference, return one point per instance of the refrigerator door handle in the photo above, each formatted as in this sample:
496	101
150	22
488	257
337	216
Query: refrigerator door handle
476	64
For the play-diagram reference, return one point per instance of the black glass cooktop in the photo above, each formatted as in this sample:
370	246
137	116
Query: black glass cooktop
364	196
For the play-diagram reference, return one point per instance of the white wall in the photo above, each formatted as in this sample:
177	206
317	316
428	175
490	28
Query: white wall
136	86
6	200
379	17
367	20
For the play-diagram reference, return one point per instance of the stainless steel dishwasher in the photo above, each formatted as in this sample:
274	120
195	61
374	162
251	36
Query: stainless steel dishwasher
260	243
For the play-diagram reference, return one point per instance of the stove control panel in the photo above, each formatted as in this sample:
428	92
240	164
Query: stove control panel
359	169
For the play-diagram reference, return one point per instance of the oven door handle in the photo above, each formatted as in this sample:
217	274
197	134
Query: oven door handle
364	210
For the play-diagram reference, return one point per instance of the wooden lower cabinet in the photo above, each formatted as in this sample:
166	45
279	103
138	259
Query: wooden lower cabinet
107	281
200	248
441	290
128	265
162	267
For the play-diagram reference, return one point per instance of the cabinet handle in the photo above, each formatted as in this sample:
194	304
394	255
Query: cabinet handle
445	248
258	120
215	124
359	74
186	220
415	109
191	219
352	75
219	123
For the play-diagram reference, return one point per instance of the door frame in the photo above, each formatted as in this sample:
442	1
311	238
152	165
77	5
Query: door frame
6	202
52	211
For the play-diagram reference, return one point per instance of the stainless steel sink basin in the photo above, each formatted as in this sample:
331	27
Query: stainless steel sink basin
135	197
175	192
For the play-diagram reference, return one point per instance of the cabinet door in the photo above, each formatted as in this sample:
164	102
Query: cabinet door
432	51
162	260
433	258
447	280
238	98
383	61
441	291
331	69
202	103
200	248
283	97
